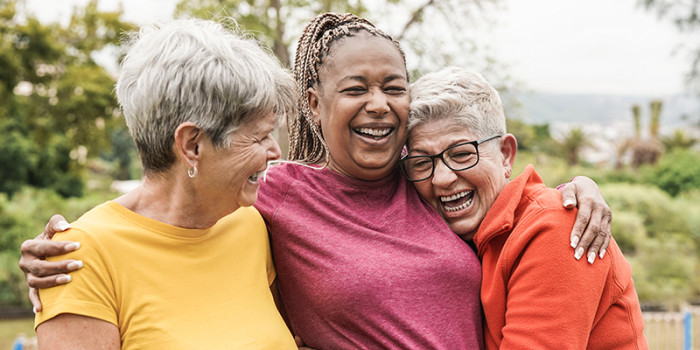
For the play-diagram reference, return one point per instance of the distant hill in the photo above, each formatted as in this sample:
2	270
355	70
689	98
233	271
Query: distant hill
606	119
605	110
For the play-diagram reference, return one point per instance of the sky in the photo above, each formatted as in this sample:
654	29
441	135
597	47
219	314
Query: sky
560	46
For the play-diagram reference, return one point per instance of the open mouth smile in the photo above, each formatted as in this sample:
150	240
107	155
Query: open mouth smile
255	177
457	201
374	133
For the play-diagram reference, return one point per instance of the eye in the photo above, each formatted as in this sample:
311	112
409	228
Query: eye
355	90
267	137
420	163
462	155
395	90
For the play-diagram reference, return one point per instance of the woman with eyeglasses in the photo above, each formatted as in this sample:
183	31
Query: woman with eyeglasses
533	296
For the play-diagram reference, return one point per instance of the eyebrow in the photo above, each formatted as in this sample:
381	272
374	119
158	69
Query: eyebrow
425	153
363	79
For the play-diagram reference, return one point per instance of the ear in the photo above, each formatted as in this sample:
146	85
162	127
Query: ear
186	145
313	98
509	147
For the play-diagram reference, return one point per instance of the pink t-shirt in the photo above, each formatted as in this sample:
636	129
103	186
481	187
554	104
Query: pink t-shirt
368	264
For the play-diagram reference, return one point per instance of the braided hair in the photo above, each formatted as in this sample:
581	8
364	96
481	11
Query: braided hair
306	142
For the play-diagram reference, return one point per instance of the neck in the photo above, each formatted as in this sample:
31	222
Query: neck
171	199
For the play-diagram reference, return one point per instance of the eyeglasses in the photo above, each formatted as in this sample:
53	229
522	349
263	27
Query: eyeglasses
461	156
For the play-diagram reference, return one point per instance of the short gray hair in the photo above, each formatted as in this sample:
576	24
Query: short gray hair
197	71
460	94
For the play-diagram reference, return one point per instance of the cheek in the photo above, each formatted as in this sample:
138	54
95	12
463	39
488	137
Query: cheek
425	190
401	106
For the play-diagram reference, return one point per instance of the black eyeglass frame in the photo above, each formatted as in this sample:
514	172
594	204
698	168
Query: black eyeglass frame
441	154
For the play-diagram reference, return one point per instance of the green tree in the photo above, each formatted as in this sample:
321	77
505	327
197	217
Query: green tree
677	172
58	107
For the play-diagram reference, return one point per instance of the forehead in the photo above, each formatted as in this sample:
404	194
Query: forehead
439	133
260	123
362	50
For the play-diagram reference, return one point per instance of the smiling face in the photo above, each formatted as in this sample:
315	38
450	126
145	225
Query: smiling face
462	197
362	106
234	172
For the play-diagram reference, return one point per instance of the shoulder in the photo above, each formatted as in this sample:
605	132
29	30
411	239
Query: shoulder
543	213
244	217
541	223
93	224
279	180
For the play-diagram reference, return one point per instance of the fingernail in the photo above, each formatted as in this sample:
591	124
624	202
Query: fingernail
63	279
574	242
569	203
579	253
591	257
72	246
34	309
75	265
63	225
602	253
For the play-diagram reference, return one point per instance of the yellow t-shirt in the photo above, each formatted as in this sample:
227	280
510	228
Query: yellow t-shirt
167	287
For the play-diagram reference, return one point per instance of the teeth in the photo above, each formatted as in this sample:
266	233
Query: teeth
455	196
460	207
374	132
257	175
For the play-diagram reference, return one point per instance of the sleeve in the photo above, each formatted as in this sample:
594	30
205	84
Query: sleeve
552	298
91	291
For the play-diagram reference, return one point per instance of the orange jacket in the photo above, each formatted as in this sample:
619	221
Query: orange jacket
535	294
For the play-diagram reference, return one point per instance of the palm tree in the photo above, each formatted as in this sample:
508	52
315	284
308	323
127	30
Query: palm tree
573	143
679	140
647	151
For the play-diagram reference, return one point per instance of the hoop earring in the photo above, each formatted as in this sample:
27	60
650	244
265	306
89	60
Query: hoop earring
192	172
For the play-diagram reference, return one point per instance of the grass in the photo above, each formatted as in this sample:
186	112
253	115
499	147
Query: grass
10	329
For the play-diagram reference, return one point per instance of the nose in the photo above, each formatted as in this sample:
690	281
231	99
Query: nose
377	103
273	149
442	175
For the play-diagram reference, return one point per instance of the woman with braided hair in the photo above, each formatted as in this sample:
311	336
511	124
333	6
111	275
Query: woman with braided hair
362	262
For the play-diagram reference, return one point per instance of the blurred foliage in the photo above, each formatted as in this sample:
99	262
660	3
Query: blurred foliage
57	107
573	143
22	218
677	172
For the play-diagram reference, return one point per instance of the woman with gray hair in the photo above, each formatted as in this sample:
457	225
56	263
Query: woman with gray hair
200	102
460	160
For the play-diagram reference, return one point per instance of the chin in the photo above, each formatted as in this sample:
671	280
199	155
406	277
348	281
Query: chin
248	200
463	231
